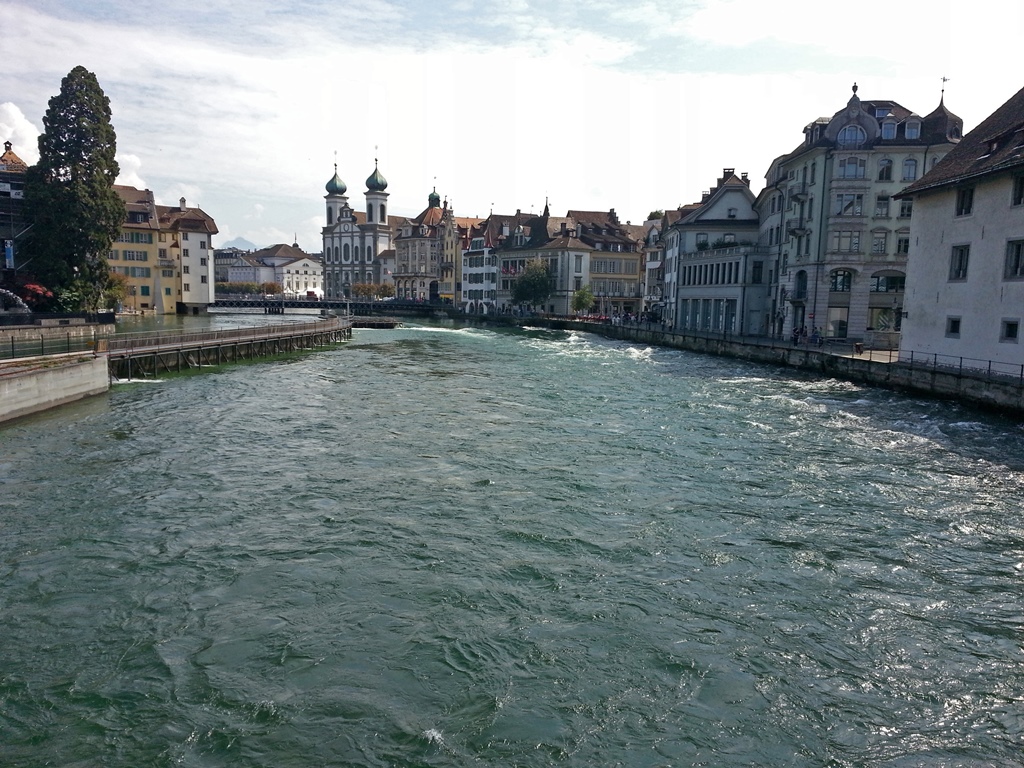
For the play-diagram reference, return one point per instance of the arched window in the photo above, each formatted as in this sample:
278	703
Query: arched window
330	215
851	136
369	213
840	281
382	218
369	253
885	169
344	253
909	169
355	253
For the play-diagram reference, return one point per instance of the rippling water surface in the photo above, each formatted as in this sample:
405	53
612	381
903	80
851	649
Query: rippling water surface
449	547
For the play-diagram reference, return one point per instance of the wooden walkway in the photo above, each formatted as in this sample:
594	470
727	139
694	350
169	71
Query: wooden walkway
147	355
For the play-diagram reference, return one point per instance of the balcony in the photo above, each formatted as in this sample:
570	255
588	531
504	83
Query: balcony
797	227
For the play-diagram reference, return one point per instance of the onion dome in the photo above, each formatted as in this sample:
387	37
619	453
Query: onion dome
376	182
434	199
336	186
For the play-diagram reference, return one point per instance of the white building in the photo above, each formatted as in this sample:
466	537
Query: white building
296	272
965	279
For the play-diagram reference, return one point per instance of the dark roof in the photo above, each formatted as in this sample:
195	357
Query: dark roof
995	145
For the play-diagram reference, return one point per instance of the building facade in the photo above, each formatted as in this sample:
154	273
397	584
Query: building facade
838	238
965	278
12	198
296	272
353	241
714	270
165	253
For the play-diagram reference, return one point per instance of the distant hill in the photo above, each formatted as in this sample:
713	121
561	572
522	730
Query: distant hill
241	243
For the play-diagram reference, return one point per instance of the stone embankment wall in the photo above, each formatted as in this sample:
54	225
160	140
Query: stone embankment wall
1005	395
29	387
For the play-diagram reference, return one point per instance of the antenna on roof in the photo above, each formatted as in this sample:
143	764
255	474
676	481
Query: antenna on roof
942	94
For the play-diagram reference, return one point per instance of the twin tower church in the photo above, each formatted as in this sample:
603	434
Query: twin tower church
357	244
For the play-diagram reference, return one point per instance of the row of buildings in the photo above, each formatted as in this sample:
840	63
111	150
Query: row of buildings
881	225
823	246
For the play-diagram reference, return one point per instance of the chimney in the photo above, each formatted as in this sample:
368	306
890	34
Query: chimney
181	205
745	178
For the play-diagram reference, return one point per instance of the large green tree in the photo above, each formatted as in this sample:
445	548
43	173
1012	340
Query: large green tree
533	285
69	194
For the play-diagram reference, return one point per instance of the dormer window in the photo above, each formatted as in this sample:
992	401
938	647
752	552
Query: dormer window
851	136
888	130
913	129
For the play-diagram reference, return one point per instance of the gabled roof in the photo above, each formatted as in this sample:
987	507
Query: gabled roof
189	220
995	145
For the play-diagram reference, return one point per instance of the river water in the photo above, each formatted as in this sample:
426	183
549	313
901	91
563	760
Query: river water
444	546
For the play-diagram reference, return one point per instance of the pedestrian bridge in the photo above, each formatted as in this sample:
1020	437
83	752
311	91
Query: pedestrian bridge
147	355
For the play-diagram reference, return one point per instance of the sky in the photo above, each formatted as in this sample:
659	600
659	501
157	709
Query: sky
243	109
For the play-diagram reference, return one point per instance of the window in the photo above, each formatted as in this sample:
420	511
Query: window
702	237
203	279
184	269
757	272
906	208
888	283
952	327
202	244
909	169
162	253
851	136
167	291
202	262
879	242
184	252
1017	197
913	129
964	201
167	273
840	281
578	263
732	213
849	205
1009	330
851	168
1014	269
888	130
186	287
845	240
958	262
902	245
885	170
184	235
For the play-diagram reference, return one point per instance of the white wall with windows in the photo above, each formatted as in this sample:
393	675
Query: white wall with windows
965	277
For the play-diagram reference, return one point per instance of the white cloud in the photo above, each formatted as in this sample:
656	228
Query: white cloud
594	104
20	131
129	171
